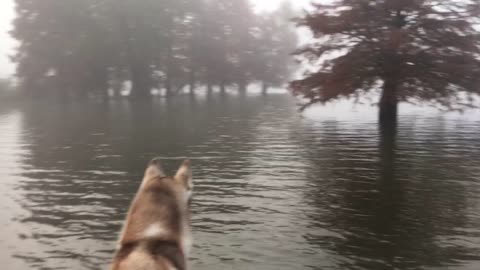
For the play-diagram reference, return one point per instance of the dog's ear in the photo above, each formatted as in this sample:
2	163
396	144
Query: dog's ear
184	175
154	169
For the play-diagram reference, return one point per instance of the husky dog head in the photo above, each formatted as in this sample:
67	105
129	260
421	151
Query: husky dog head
156	232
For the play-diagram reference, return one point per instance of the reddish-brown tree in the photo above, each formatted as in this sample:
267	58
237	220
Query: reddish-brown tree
413	50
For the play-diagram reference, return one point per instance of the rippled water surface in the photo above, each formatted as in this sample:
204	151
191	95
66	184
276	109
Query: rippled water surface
274	190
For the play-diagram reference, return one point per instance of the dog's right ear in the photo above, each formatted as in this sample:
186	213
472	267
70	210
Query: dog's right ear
184	175
154	169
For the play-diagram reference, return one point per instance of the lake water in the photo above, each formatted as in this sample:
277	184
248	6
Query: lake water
274	189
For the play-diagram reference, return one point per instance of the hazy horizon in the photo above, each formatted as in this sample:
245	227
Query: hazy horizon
7	44
7	14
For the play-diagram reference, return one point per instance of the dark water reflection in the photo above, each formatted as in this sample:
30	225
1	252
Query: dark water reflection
273	190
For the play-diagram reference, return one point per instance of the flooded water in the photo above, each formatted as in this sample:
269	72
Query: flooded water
274	189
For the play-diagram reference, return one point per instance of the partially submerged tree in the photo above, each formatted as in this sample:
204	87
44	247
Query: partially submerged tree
413	50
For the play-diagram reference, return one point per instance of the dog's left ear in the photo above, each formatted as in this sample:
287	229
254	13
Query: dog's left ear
184	175
154	169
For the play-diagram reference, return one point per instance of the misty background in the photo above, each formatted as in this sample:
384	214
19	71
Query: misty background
7	14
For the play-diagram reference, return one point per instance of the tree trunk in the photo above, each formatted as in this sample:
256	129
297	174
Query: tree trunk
140	81
169	72
242	88
223	88
117	91
168	87
116	86
209	88
104	95
264	88
139	69
192	83
389	106
140	89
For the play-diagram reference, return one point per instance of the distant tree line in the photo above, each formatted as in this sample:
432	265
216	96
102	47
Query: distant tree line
4	86
87	48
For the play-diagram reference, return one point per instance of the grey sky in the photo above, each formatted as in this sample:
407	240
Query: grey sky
7	14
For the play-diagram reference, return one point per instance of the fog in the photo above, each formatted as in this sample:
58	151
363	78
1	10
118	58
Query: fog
7	44
7	14
348	143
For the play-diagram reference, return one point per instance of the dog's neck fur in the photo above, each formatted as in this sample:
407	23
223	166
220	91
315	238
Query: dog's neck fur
168	251
156	233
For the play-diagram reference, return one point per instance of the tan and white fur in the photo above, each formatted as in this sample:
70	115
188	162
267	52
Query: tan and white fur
156	232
